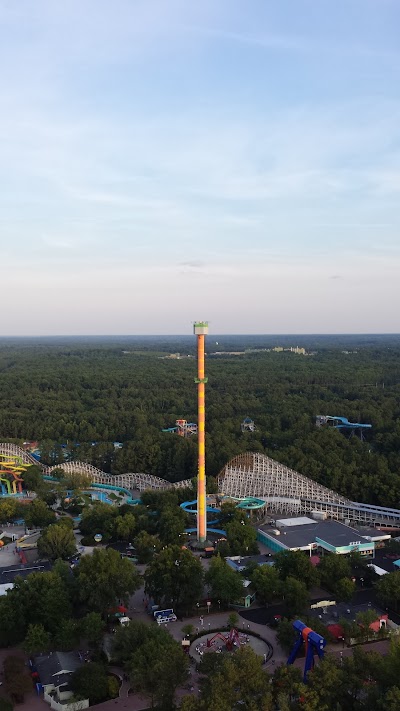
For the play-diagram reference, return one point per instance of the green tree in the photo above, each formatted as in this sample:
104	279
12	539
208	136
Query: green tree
32	477
90	682
296	596
98	518
125	526
296	564
92	628
66	636
42	598
344	589
103	578
333	568
225	584
242	538
240	682
233	620
9	509
174	577
171	525
187	630
37	640
6	704
158	667
38	515
286	635
146	546
388	590
266	582
57	541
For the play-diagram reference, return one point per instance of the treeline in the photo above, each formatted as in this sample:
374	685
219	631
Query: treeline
82	394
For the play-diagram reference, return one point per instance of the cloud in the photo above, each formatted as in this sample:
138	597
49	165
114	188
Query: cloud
193	264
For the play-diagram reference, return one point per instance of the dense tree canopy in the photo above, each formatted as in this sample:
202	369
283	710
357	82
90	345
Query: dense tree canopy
104	577
57	541
175	577
123	391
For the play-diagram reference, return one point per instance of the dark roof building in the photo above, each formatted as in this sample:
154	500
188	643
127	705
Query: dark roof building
306	534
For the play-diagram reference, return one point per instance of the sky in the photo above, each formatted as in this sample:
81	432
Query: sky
166	161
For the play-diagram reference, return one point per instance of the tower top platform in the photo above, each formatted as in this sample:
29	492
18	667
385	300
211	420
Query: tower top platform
200	328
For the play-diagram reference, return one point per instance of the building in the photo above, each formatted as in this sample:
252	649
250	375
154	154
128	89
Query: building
318	537
332	614
54	671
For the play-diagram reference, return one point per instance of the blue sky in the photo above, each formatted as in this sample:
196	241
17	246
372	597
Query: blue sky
163	161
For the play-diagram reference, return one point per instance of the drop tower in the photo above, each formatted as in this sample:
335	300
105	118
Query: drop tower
201	330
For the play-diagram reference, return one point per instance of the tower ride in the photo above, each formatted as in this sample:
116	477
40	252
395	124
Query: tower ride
201	330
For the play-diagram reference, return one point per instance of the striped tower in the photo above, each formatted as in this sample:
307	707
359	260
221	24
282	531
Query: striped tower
201	330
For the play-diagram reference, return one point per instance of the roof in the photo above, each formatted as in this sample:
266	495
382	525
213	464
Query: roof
10	572
295	521
50	665
332	532
332	614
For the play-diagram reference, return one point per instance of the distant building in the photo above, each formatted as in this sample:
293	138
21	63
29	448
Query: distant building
247	425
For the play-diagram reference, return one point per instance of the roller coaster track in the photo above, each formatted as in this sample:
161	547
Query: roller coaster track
247	475
287	491
128	481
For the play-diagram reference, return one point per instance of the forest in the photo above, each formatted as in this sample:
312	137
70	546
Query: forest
84	391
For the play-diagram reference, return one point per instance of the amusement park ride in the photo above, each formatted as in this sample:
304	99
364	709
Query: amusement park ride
182	428
313	643
230	640
342	424
10	471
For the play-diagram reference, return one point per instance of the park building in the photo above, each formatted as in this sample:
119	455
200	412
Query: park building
319	537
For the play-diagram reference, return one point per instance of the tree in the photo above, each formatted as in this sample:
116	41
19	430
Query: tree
287	684
66	636
286	635
266	582
171	525
388	590
41	598
32	477
38	515
158	667
241	538
239	682
187	630
233	620
105	577
5	704
296	596
333	568
9	509
57	541
17	681
296	564
174	577
146	546
344	589
37	640
225	584
125	526
92	628
98	518
90	682
152	658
